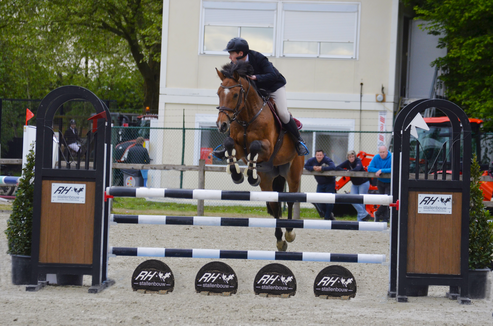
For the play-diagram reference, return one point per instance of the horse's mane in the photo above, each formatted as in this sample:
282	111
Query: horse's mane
243	68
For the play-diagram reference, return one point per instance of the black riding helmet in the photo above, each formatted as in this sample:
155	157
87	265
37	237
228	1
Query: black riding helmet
238	44
72	122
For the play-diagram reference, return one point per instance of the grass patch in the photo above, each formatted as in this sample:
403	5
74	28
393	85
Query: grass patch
7	206
138	206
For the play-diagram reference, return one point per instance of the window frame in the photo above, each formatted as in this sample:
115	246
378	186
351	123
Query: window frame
310	7
254	6
279	11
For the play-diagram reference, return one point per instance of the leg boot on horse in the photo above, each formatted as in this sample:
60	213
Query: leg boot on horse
251	170
233	168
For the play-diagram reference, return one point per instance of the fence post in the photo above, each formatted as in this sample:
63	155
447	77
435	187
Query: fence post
200	202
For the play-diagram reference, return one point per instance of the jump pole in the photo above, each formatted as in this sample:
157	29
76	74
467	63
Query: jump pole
248	222
265	196
247	254
9	181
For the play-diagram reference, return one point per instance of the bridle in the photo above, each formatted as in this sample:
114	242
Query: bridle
237	110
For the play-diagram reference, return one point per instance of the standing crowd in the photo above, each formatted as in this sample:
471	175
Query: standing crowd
380	164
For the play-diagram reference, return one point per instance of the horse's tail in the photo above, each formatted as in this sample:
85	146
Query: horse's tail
277	185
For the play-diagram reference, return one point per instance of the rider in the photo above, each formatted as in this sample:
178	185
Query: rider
267	77
72	137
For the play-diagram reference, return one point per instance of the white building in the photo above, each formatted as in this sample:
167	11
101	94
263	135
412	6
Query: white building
337	57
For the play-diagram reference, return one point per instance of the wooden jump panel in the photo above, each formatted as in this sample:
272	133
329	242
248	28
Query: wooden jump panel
67	229
434	240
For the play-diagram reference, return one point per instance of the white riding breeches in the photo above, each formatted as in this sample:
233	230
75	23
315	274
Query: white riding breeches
74	146
279	97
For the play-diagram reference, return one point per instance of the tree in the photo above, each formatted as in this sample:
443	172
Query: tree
111	47
80	42
465	31
137	22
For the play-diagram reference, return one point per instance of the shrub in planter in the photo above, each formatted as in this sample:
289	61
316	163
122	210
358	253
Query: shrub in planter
480	230
480	237
19	224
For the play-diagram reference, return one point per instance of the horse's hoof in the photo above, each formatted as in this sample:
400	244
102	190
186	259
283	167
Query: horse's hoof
254	182
237	178
290	236
282	245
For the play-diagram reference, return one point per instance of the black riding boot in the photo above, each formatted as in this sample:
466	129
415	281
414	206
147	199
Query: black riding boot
300	146
219	154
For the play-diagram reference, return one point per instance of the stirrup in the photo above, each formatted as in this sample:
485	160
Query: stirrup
219	154
302	149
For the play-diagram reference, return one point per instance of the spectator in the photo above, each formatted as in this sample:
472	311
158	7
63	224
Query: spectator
138	154
359	186
382	163
72	138
325	184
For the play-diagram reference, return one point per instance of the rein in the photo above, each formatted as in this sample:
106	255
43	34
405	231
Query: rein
237	110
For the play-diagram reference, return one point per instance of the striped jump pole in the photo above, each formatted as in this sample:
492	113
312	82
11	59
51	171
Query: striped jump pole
265	196
248	222
248	254
9	181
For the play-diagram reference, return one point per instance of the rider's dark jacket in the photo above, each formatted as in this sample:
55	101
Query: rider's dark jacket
268	77
71	136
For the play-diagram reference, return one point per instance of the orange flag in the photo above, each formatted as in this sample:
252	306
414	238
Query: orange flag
29	115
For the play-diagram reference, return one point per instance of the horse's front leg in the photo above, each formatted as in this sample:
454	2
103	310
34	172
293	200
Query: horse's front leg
252	159
259	152
233	168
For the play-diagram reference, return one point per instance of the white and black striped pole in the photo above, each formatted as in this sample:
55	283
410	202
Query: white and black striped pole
265	196
248	254
248	222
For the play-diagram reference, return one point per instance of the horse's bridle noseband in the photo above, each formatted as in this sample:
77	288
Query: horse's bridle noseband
236	111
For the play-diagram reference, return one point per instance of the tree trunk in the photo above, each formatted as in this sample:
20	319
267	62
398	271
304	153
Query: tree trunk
151	89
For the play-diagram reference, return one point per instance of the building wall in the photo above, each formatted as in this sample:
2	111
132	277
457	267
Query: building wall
317	88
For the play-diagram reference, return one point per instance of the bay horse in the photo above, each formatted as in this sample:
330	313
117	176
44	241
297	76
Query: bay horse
257	139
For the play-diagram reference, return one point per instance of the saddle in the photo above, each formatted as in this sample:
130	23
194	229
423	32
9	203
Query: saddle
273	108
269	166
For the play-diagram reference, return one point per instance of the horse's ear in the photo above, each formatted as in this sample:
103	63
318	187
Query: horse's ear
236	75
220	74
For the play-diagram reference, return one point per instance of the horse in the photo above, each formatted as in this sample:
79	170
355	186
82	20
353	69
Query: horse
256	138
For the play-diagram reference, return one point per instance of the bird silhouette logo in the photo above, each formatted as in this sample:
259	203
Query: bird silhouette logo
227	278
78	190
286	280
346	282
163	277
445	201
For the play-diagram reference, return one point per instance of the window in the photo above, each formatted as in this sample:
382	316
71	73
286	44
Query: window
320	30
253	21
207	138
325	29
333	136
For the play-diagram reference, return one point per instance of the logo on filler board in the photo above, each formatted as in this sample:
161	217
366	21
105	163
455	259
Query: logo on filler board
68	193
434	204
